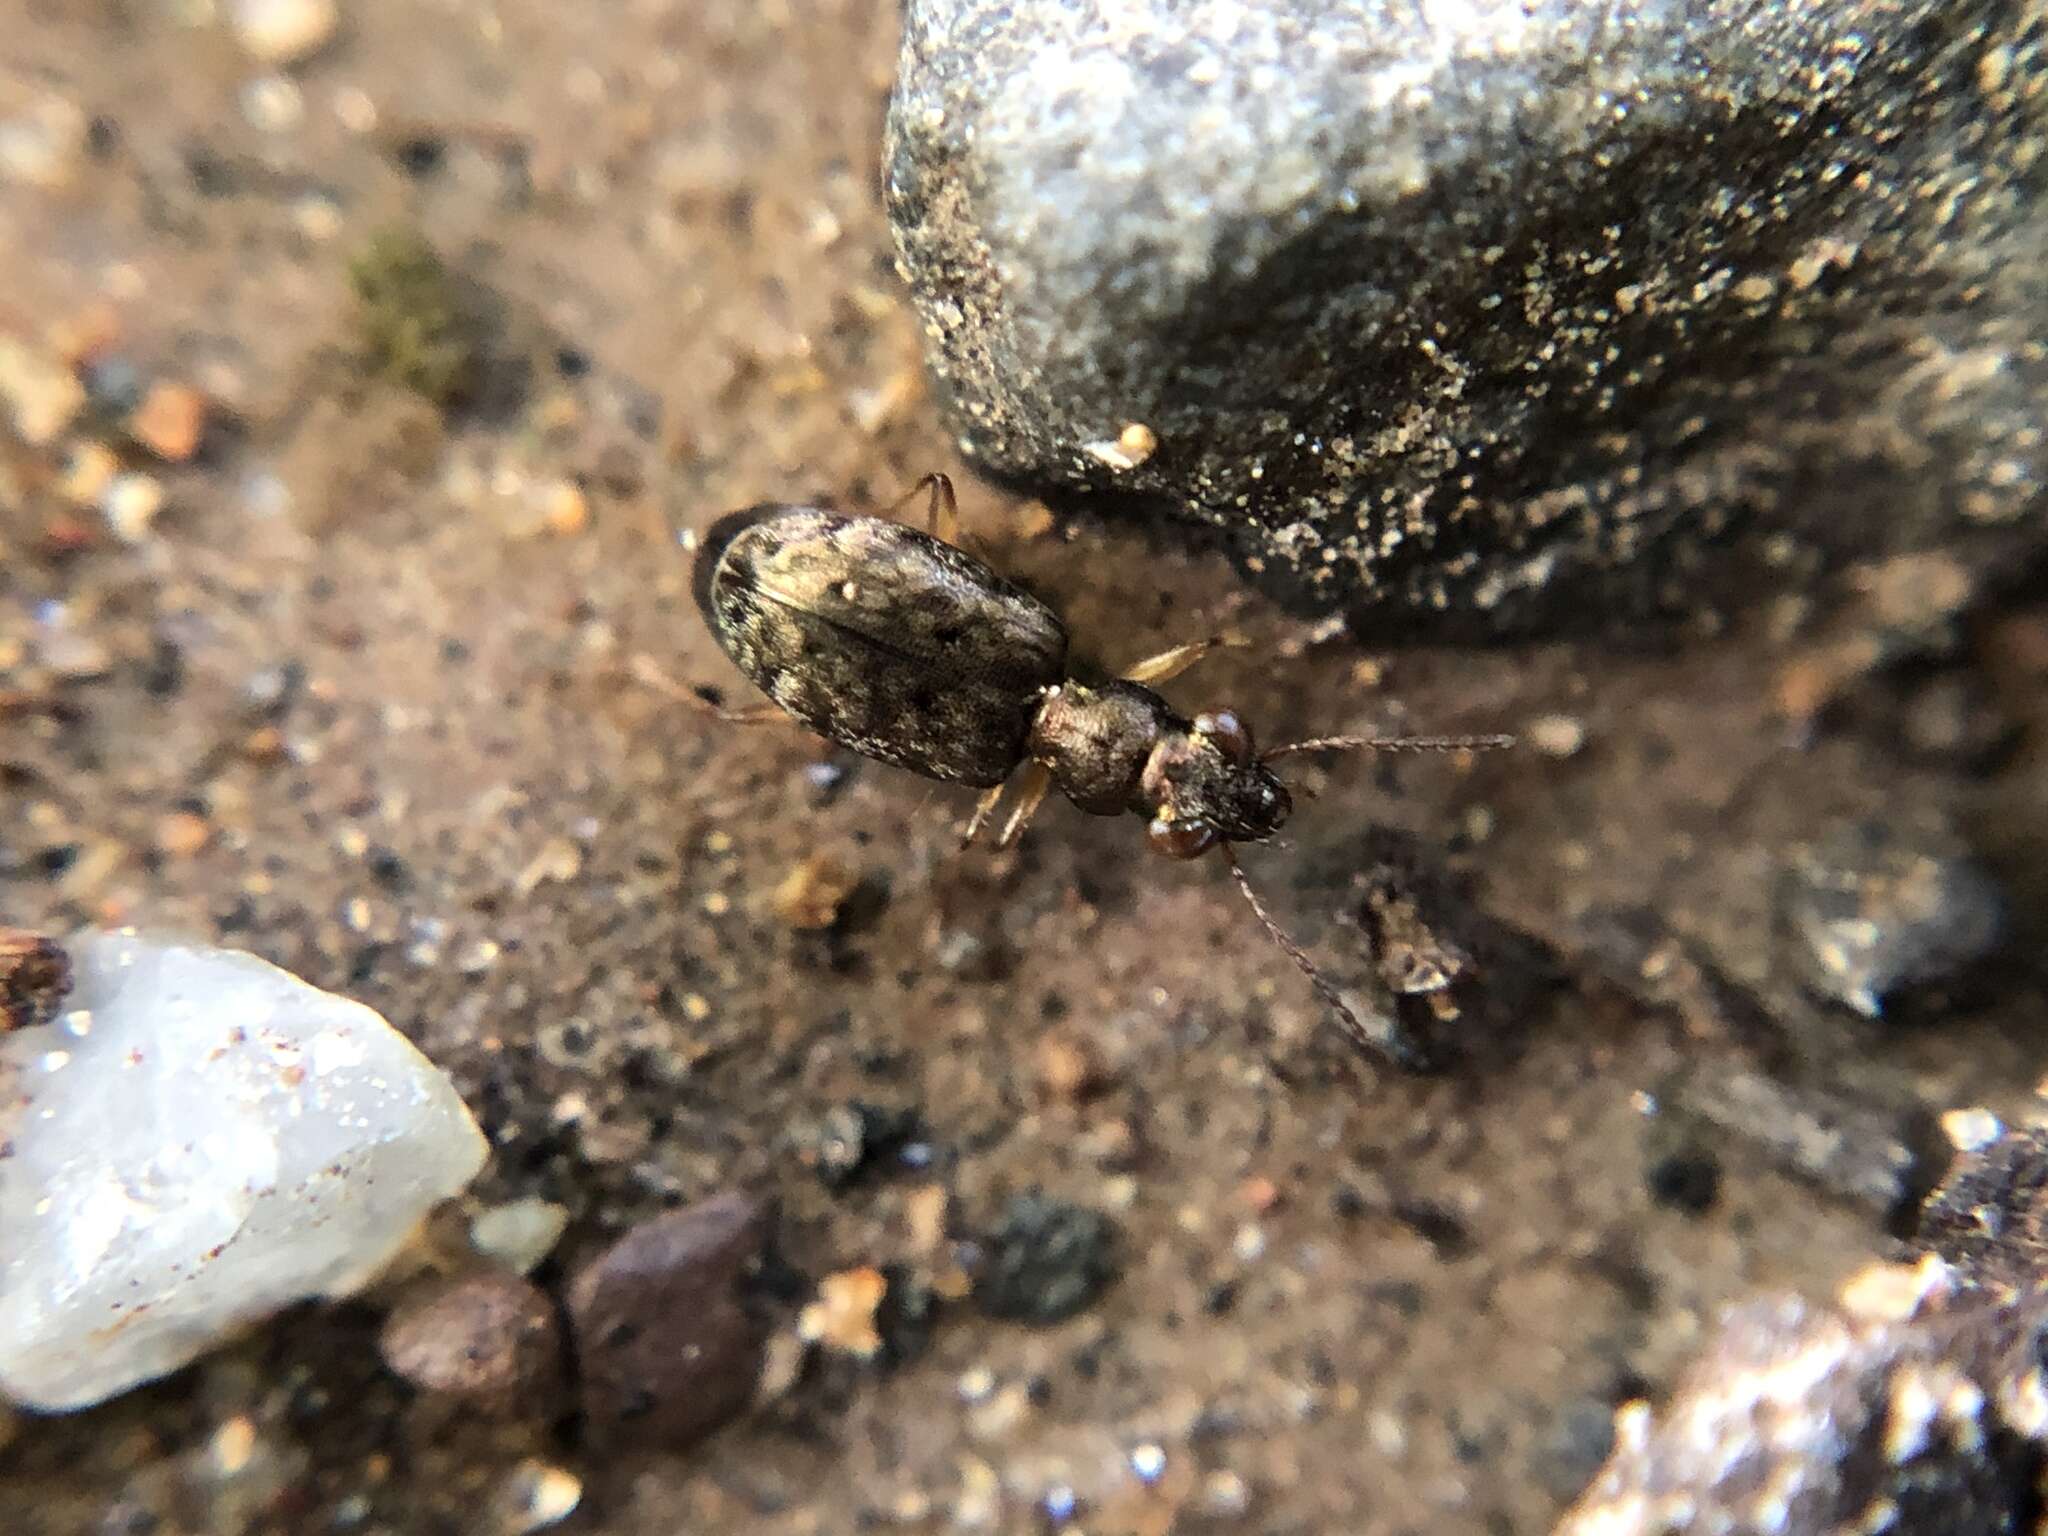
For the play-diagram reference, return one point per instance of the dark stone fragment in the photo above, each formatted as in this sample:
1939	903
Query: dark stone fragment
1495	316
419	155
1688	1180
853	1138
906	1316
387	869
1575	1444
35	977
1435	1224
1873	1155
1989	1216
1876	914
666	1346
1046	1260
491	1337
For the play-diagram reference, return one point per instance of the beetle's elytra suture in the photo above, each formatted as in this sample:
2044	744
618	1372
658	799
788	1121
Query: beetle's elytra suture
905	648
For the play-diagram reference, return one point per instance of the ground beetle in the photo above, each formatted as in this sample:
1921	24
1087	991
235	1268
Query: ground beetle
903	647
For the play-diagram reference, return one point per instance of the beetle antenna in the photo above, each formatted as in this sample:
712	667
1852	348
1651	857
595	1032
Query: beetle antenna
1392	744
1324	989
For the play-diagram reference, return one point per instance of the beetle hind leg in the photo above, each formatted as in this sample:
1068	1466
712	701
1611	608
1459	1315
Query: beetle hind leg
649	675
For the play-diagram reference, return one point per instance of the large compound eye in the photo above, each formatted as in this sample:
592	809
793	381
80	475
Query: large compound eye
1180	839
1232	737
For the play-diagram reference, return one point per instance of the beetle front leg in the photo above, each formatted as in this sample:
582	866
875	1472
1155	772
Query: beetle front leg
1157	669
984	808
1037	779
942	515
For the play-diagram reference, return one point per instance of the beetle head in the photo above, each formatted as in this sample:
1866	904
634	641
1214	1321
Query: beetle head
1206	784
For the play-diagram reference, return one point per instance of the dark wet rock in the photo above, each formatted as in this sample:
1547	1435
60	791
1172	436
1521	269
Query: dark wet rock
1952	721
1046	1260
491	1337
1872	1155
1636	950
665	1344
1496	317
1446	980
1575	1444
35	976
1914	1404
1876	914
1989	1215
851	1140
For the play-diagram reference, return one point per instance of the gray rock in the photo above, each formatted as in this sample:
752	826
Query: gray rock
1876	913
1494	314
1911	1405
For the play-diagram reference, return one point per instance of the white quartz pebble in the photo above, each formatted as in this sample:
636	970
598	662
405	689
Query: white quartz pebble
199	1140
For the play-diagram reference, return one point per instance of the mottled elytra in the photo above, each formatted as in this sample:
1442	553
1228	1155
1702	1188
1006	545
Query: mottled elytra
903	647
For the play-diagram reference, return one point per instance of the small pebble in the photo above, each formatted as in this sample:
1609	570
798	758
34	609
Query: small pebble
283	31
564	508
42	395
88	474
538	1495
273	104
131	504
1557	735
42	145
1069	1067
170	421
491	1338
519	1233
182	834
812	895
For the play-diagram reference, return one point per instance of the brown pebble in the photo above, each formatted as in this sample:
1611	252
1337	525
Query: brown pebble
490	1337
812	895
170	421
182	834
1259	1194
35	975
1068	1068
666	1350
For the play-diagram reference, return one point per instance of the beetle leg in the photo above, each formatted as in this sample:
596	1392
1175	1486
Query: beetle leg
942	513
1157	669
984	808
646	673
1035	781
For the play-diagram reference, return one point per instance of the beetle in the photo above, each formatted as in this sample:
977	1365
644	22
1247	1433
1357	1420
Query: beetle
902	646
